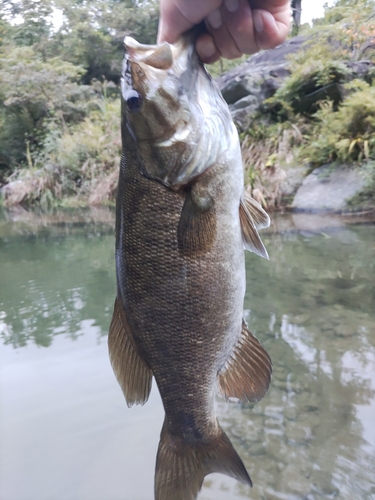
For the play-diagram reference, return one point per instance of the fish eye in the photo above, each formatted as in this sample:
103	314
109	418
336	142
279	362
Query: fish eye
134	100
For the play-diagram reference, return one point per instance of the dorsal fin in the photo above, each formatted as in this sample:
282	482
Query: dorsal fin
247	374
133	374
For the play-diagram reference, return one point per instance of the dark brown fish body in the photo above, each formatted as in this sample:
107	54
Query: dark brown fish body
178	314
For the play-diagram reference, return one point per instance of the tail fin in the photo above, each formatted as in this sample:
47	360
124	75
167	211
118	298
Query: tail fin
181	467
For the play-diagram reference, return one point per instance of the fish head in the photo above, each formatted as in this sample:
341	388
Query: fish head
172	112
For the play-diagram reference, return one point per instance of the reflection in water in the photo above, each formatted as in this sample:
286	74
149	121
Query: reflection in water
54	278
311	437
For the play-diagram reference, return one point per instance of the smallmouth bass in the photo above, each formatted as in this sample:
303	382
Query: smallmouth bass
182	223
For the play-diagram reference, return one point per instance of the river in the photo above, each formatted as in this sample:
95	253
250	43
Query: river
66	432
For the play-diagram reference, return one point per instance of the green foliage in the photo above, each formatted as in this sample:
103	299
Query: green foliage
50	78
365	199
81	159
59	115
347	135
34	93
138	19
321	113
92	50
36	21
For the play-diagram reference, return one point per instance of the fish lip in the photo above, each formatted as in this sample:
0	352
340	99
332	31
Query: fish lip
137	52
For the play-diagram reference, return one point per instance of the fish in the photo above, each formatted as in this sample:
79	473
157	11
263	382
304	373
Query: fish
183	221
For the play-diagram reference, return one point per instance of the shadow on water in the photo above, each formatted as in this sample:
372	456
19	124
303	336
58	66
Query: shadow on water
312	306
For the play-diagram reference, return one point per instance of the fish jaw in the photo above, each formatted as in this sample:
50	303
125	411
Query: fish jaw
172	112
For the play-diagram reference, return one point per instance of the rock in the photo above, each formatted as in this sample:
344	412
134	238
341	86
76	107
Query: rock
244	110
257	449
266	65
248	85
309	103
14	192
246	102
293	180
327	190
344	330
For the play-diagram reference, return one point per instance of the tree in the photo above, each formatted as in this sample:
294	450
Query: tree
296	13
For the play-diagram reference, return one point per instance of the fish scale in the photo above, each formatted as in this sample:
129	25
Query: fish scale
151	280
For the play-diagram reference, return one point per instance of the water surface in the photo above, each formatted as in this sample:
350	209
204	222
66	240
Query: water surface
65	430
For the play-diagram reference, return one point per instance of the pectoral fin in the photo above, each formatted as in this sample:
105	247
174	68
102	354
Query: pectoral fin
259	216
133	374
253	217
197	227
247	374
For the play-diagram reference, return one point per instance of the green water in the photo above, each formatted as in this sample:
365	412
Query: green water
65	430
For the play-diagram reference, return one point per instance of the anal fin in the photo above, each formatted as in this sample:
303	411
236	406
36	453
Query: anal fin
253	217
247	374
132	373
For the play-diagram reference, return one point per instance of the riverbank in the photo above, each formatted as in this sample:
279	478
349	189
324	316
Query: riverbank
63	222
305	112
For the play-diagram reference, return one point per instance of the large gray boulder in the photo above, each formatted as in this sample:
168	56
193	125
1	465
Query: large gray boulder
328	189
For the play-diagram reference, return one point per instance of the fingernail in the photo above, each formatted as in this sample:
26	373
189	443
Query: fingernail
258	21
206	49
232	5
214	19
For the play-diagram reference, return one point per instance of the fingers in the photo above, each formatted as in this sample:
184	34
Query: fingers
239	28
234	36
178	16
235	27
207	49
269	32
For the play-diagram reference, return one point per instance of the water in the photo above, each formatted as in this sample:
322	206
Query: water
66	433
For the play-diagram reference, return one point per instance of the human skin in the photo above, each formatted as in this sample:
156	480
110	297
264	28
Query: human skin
234	27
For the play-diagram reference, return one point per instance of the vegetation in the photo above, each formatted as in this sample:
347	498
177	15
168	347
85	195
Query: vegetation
324	112
59	113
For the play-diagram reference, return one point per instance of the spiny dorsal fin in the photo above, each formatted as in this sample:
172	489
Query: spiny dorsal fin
259	216
247	374
250	236
197	226
132	373
181	467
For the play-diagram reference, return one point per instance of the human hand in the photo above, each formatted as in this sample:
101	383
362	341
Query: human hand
235	27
